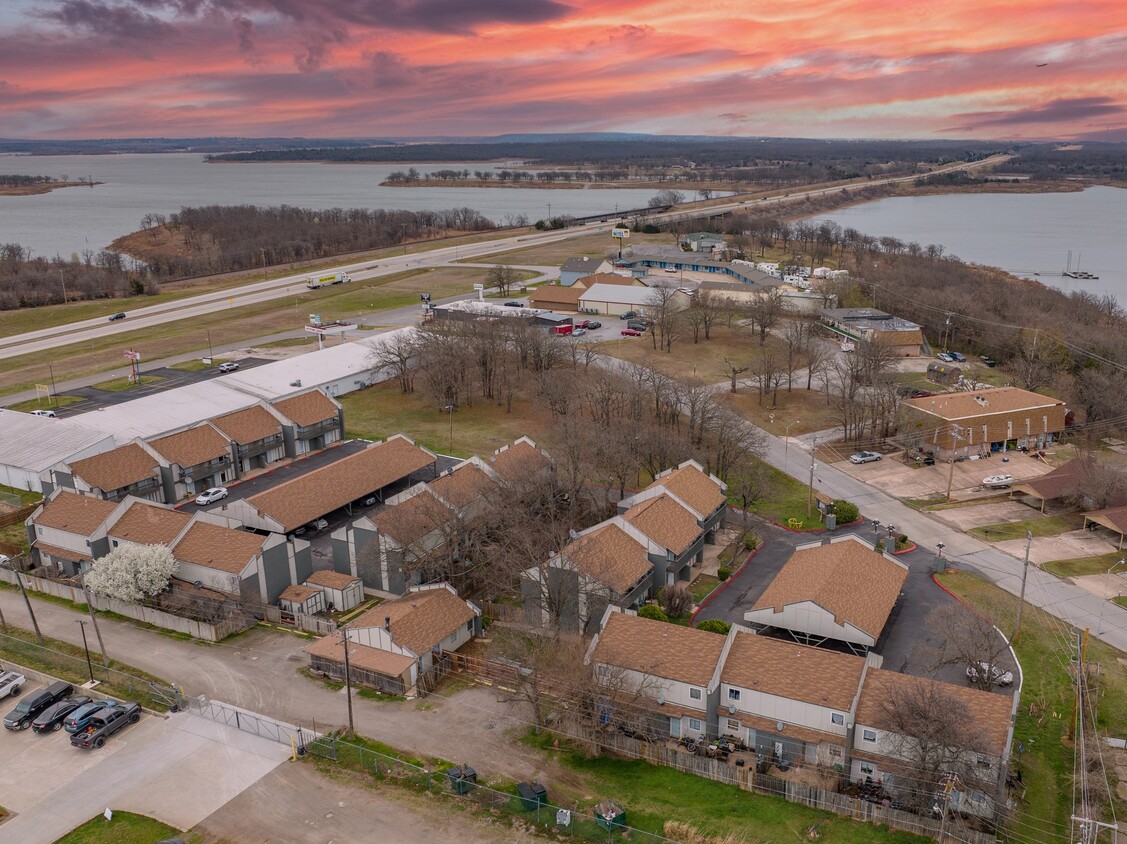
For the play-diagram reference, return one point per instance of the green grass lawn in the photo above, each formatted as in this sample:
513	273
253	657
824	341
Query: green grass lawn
787	500
192	366
117	385
124	828
1086	565
1047	697
700	587
23	496
383	410
1042	526
46	404
651	795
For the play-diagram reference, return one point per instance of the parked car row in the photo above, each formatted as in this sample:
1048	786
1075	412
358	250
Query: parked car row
89	722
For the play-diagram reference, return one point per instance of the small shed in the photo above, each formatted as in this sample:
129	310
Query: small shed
302	599
341	592
943	373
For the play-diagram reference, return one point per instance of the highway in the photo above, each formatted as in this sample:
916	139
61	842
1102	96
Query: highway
205	304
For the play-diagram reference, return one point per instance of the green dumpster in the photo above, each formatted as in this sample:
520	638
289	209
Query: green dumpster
462	779
610	816
532	795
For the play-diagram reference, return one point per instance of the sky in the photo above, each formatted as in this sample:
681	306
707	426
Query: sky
993	69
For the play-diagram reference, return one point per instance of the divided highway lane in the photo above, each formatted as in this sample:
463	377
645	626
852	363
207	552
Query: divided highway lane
262	291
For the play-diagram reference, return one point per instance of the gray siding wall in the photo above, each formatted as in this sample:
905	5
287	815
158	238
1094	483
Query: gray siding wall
100	547
249	592
276	566
341	561
303	562
289	440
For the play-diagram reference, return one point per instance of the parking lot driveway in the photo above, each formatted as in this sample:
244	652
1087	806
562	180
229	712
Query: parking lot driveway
178	769
995	513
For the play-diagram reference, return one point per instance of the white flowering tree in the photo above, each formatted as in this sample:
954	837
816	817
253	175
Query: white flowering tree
132	572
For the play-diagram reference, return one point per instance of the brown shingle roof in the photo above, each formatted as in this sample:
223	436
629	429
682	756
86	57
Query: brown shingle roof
217	547
463	485
665	522
149	524
610	556
63	553
298	594
956	406
693	487
420	620
249	425
331	579
74	513
790	670
519	460
856	584
659	649
1066	479
361	656
555	296
607	278
307	497
193	446
116	468
413	519
307	408
987	712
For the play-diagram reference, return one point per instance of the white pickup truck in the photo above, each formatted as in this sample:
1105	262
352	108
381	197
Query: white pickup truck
11	682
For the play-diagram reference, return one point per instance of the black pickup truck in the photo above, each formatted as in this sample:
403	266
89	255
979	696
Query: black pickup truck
105	723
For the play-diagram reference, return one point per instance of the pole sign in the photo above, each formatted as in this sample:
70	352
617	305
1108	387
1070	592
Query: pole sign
479	287
314	319
620	233
314	329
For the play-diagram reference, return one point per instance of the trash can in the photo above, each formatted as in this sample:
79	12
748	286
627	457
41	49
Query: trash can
532	795
610	816
462	779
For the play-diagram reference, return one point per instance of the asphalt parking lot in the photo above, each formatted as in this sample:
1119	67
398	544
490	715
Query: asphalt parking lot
93	398
908	643
178	769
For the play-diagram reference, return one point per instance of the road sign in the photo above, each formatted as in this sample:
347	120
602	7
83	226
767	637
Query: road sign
314	319
479	287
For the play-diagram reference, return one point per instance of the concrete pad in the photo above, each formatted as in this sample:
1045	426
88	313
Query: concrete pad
978	515
178	769
1067	546
1116	585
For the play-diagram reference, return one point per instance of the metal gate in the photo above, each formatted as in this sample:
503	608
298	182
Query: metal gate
249	722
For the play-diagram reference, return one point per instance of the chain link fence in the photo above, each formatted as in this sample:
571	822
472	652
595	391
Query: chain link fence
531	808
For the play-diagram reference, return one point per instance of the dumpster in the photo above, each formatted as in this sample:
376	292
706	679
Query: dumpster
610	816
462	779
532	795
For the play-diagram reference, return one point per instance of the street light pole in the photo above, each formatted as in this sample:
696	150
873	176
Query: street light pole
86	647
810	484
348	681
450	412
786	442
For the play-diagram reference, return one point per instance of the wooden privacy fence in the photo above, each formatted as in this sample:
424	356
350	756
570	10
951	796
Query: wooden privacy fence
211	631
16	516
660	753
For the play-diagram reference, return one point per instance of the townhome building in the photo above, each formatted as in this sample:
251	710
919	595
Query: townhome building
256	437
193	460
673	528
131	469
311	421
68	530
701	493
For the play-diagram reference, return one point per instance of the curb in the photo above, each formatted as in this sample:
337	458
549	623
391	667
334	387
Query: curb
912	547
722	586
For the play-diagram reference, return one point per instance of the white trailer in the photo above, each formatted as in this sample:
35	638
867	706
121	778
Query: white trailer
316	281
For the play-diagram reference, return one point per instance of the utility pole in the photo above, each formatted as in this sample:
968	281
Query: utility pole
30	611
810	485
1024	577
956	437
347	681
949	781
94	621
1081	670
54	392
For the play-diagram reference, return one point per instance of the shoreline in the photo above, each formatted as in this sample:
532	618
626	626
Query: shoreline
41	188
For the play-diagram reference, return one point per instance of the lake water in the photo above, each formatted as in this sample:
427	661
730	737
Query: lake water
1027	234
71	219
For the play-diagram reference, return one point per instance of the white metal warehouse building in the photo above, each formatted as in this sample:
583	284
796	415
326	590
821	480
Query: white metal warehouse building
30	444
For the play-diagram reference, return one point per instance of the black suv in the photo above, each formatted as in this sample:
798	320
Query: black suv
21	717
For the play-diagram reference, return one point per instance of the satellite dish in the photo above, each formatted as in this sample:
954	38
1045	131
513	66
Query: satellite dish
731	709
660	699
780	726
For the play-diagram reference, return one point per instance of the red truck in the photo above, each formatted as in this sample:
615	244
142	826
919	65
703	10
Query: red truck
562	329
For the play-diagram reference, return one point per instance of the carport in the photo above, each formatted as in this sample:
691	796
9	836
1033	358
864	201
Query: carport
1112	518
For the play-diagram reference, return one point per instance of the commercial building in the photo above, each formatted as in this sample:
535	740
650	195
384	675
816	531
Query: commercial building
868	325
32	444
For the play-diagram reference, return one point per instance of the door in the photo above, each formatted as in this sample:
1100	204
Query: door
675	727
779	750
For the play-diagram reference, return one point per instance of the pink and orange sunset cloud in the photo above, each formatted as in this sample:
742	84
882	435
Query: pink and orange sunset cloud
1014	69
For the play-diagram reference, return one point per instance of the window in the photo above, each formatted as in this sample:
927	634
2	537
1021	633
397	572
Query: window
114	541
733	694
694	724
869	735
601	670
469	626
866	769
837	718
695	694
733	725
983	762
39	530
